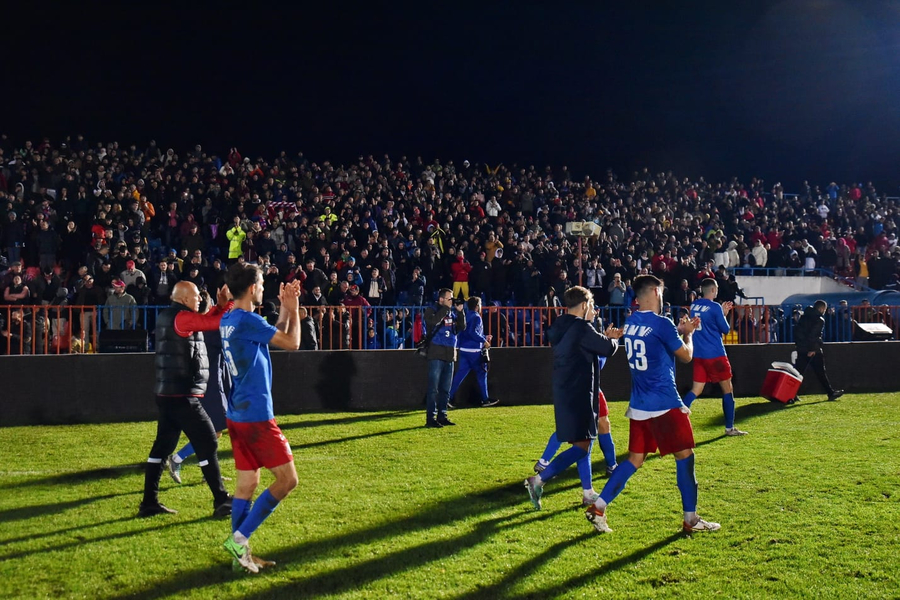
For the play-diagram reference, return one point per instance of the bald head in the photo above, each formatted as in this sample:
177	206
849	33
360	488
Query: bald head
186	293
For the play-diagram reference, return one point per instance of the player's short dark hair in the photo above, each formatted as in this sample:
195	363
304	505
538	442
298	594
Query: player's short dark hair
473	302
240	277
575	295
820	304
643	283
443	291
708	284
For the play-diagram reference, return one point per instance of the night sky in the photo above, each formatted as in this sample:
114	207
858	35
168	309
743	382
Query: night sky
781	90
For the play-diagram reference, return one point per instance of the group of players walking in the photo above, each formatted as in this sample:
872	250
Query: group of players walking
237	340
659	418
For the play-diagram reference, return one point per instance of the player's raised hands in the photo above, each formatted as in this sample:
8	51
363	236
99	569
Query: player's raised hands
687	326
613	332
223	296
727	306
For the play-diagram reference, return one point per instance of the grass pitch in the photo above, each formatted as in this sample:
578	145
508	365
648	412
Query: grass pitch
385	508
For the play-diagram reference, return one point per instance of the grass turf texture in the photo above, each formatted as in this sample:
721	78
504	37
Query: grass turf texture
387	508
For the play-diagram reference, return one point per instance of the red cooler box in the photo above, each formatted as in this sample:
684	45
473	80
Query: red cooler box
781	383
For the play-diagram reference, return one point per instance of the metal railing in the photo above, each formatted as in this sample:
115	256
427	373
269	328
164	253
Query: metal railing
78	329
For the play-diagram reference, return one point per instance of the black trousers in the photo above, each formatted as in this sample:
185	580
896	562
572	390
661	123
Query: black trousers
177	414
817	361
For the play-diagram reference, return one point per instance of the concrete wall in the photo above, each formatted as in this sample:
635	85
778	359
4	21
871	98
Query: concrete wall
775	289
119	387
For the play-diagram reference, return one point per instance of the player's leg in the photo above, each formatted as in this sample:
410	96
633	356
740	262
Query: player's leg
237	544
604	435
585	474
550	451
675	435
728	408
199	430
479	367
268	501
174	461
535	484
698	384
640	443
167	433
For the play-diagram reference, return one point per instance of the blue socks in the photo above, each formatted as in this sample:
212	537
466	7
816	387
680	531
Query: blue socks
687	483
240	508
551	449
608	448
187	451
617	481
559	464
262	508
728	409
584	469
689	398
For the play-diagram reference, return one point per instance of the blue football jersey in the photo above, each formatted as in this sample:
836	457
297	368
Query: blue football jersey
245	346
708	338
650	343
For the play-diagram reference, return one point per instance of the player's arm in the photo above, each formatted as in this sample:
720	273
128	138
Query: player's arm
600	344
287	334
686	328
721	321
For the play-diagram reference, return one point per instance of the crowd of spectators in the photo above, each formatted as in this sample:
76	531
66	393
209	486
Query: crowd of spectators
93	223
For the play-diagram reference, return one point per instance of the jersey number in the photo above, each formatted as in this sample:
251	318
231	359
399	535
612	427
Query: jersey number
637	354
229	359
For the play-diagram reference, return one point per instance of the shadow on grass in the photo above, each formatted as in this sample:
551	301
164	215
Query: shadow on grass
527	568
351	438
40	510
35	536
81	541
77	477
362	418
440	513
560	589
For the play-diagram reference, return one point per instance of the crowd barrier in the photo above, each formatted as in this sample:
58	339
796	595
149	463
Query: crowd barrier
84	329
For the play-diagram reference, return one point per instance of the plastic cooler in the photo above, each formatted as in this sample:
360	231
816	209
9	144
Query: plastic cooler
781	383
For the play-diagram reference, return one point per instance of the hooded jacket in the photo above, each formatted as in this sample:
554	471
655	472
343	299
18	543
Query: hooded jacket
579	353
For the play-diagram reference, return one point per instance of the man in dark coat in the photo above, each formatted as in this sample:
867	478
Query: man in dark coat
579	352
808	340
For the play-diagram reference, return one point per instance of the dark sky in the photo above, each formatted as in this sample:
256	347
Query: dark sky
782	90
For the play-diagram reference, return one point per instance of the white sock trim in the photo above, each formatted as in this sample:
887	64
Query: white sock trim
203	463
154	461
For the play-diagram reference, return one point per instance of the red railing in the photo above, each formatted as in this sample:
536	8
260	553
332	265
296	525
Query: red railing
75	329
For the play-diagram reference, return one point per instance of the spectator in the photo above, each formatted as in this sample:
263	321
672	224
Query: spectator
120	307
616	291
309	339
460	269
16	334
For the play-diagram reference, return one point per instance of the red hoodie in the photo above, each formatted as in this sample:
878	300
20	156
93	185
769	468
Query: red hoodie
460	270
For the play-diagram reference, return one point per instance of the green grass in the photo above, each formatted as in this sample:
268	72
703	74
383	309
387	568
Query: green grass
385	509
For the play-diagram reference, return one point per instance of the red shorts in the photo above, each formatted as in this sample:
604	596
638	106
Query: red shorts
712	370
602	408
258	445
670	432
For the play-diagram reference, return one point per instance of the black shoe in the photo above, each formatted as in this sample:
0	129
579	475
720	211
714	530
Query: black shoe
834	395
490	402
223	509
150	510
793	400
451	406
433	424
445	422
